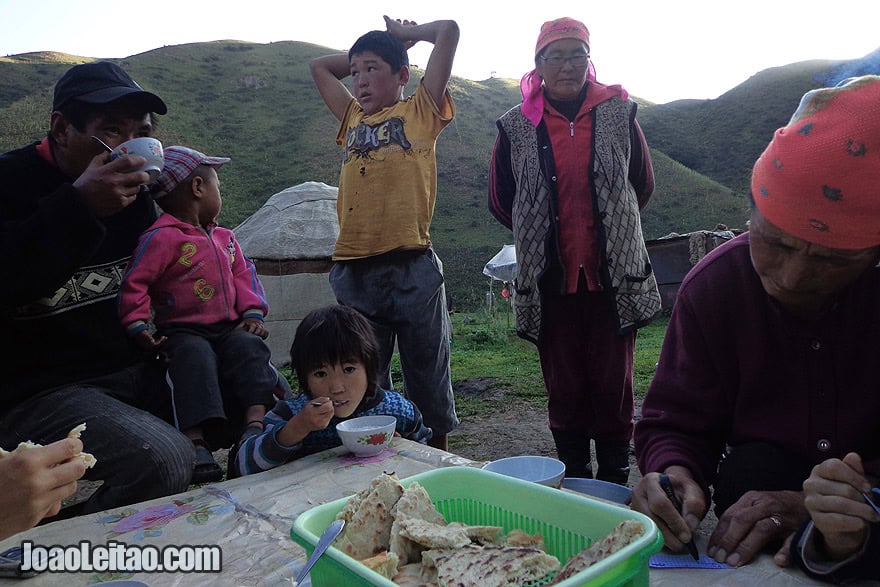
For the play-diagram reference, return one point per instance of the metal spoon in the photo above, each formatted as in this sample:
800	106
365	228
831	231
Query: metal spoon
330	534
871	503
102	143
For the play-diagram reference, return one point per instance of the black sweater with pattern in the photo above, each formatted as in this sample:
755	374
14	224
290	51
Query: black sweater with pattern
63	270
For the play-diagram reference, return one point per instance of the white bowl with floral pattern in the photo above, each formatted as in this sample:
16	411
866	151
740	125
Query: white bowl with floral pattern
367	435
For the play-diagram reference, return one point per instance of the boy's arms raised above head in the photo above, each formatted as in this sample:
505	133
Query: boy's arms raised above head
328	72
444	36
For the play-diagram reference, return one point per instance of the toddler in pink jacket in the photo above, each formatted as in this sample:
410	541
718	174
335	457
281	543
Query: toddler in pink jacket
190	279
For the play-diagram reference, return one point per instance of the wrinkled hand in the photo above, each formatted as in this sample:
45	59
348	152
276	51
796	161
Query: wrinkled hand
33	482
109	186
255	326
147	342
399	29
833	498
650	499
756	520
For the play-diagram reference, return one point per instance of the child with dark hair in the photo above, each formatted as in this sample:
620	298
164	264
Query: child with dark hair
335	356
384	263
384	45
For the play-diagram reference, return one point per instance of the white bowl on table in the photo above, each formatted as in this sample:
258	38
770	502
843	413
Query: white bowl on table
598	488
544	470
367	435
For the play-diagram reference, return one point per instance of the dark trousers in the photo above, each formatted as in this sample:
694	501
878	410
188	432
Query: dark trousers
214	373
403	295
588	372
587	366
139	456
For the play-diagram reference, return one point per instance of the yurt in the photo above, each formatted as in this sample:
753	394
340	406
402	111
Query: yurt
290	239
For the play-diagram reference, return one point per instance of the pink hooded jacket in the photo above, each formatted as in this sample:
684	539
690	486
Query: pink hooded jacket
189	275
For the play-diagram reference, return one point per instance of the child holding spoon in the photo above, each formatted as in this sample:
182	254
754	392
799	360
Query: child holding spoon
335	356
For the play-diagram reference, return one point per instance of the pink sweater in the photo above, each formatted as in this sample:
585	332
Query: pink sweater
189	275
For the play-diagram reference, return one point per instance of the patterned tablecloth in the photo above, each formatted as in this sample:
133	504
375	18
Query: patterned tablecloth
250	520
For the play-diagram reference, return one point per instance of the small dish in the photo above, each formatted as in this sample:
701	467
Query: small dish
367	435
544	470
601	489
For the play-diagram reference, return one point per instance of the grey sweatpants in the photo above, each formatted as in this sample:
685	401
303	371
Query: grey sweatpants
403	295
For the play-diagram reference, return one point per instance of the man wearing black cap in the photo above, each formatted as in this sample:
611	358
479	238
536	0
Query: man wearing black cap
69	221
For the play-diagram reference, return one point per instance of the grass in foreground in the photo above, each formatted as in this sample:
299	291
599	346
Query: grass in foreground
485	345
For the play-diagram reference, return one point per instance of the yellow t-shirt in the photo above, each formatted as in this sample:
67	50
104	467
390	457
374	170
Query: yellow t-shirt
388	182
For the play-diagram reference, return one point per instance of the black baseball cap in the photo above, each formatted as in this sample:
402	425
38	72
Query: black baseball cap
102	82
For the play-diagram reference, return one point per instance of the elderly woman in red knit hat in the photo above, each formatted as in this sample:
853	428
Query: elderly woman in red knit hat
767	365
570	173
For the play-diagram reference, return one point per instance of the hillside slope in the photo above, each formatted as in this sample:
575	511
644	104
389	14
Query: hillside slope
257	104
722	138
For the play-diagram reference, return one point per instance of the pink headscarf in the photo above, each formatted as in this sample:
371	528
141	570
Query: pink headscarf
561	28
531	84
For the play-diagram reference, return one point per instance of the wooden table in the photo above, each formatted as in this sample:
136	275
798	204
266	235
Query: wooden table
250	519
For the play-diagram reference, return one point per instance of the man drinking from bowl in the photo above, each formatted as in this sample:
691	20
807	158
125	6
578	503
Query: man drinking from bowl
69	220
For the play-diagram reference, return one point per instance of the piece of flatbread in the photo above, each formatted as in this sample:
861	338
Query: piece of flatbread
368	522
87	458
415	575
622	534
487	535
415	503
519	538
431	535
21	446
384	563
489	566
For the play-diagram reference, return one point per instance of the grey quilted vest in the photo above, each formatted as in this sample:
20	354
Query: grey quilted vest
625	269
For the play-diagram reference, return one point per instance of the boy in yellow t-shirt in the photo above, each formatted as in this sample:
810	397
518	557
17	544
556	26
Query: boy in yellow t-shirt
384	264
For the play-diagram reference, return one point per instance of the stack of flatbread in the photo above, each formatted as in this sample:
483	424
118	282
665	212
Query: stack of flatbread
89	460
368	518
399	533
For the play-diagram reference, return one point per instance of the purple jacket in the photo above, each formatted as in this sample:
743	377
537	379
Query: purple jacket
189	275
736	368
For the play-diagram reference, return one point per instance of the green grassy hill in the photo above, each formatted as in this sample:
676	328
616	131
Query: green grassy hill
257	104
722	138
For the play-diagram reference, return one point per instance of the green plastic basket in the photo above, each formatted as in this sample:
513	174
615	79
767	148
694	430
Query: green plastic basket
569	523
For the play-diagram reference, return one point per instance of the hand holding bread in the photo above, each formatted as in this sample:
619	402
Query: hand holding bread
34	479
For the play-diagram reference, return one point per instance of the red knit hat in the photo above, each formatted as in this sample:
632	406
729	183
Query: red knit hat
561	28
819	178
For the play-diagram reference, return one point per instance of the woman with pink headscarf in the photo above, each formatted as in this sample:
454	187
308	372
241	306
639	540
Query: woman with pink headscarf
570	172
